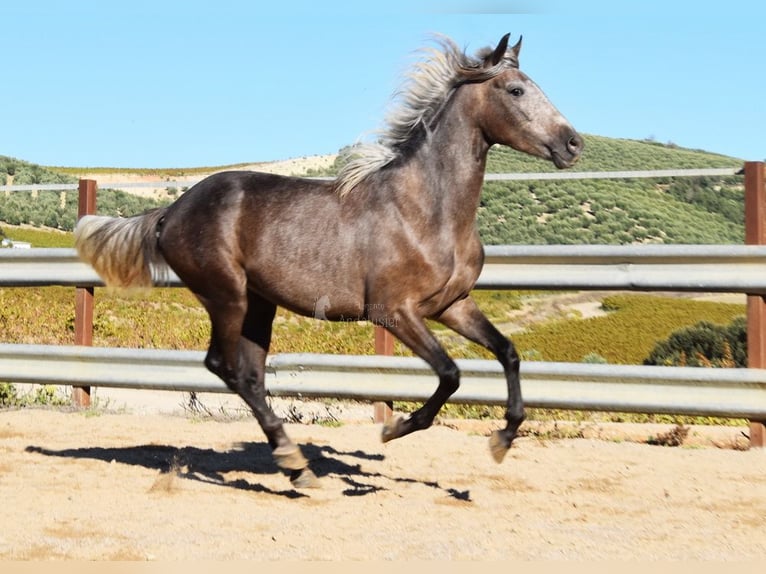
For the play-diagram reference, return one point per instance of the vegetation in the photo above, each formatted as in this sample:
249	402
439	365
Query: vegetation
608	212
170	318
43	395
609	154
628	333
38	237
24	173
159	173
605	211
704	345
58	209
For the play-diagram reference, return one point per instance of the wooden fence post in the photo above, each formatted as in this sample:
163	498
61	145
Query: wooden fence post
755	234
384	345
83	301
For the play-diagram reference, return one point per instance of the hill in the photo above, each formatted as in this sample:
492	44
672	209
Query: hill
669	210
18	172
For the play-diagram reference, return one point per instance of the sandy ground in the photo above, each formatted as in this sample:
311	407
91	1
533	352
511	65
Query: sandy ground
104	486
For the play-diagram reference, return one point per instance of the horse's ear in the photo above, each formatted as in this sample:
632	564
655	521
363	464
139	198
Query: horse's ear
499	53
516	49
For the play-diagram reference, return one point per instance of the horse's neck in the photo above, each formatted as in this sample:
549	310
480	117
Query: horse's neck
444	176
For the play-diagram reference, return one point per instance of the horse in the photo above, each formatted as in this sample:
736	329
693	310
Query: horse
392	240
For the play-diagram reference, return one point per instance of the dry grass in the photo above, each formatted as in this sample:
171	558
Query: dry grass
674	437
167	481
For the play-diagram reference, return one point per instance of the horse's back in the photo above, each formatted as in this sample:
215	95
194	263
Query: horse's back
268	232
223	189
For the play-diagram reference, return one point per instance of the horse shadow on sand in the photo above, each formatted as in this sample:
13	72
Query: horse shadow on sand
211	466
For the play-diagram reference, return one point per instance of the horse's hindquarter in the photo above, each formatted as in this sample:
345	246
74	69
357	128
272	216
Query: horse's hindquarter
279	234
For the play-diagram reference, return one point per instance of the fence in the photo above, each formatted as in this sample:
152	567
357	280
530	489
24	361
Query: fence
679	390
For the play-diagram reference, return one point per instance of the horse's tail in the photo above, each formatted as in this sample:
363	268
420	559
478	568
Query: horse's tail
123	251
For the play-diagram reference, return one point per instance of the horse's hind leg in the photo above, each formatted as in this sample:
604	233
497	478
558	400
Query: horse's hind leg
254	346
465	318
241	333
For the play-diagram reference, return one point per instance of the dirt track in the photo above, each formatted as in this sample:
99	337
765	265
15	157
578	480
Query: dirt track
125	486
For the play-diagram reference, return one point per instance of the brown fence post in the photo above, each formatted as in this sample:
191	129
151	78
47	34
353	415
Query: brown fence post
755	234
384	345
83	301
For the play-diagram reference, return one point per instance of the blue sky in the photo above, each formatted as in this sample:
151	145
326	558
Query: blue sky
181	84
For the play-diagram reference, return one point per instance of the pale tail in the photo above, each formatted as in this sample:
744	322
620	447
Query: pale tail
123	251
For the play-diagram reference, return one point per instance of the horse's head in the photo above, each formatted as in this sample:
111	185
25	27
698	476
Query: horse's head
515	112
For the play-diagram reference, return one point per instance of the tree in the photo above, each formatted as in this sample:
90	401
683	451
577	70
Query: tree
704	345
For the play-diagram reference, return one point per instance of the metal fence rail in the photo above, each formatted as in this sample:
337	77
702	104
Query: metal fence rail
735	393
531	176
701	268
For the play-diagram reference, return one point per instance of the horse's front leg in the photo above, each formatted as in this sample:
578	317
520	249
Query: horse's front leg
411	330
465	318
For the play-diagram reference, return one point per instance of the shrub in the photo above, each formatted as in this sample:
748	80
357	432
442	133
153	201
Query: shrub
9	395
46	395
704	345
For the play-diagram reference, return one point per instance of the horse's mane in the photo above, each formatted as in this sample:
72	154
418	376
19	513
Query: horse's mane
426	89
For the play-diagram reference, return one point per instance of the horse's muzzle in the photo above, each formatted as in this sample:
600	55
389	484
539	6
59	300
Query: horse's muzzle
566	155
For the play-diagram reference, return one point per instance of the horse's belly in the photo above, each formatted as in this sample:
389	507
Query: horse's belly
315	300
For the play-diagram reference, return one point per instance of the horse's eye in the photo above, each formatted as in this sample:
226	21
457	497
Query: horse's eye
516	92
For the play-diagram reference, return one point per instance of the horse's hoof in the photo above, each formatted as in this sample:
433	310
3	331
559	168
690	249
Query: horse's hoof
289	457
391	429
305	479
499	445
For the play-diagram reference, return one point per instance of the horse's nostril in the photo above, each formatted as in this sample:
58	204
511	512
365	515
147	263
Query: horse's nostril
574	144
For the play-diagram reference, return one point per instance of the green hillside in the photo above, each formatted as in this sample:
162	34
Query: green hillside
610	154
20	172
54	209
668	210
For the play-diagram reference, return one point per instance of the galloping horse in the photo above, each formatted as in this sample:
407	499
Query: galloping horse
392	240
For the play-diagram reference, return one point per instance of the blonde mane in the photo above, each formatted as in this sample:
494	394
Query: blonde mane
426	89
